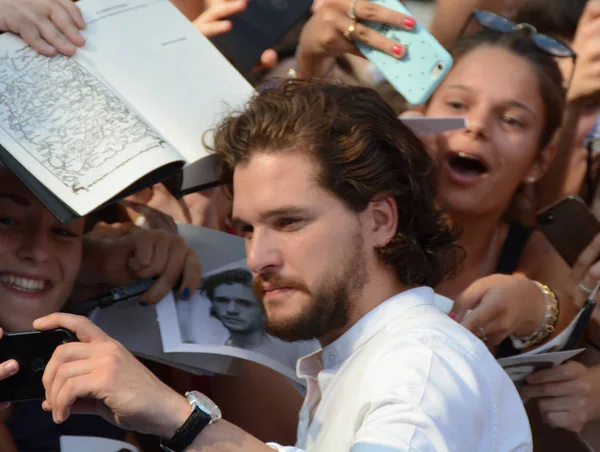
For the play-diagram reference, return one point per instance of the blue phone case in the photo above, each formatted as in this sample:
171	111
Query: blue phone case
425	65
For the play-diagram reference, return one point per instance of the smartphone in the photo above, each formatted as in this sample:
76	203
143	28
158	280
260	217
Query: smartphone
426	63
570	226
259	27
32	350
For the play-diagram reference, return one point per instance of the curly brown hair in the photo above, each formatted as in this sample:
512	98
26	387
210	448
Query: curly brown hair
362	151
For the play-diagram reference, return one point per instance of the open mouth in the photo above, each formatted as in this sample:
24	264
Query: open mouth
23	284
468	165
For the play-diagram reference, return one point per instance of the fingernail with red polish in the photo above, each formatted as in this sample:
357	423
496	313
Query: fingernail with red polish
398	50
409	22
452	315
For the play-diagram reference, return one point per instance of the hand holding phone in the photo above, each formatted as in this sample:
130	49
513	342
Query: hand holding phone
423	65
31	350
331	32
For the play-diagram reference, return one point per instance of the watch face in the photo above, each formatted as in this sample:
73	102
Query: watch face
199	400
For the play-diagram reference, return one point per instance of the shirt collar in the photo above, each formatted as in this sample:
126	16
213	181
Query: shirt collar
363	330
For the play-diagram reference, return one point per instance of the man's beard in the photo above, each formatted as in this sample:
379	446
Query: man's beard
330	301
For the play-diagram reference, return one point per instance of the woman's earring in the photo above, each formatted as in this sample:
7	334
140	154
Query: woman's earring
531	180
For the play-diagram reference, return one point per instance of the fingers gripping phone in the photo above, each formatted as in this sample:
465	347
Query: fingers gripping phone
32	350
426	63
570	226
259	27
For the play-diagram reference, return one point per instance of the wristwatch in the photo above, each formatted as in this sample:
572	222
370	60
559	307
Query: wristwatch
204	412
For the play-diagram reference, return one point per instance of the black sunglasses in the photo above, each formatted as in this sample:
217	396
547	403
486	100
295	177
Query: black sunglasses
500	24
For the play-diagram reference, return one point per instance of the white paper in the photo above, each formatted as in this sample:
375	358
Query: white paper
94	444
520	366
69	130
157	60
424	125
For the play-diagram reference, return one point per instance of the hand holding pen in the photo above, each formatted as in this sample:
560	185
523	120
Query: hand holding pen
159	257
117	295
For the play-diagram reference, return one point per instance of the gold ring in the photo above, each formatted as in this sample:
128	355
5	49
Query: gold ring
349	31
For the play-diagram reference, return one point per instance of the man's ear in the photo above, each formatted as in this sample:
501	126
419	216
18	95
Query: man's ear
382	220
540	165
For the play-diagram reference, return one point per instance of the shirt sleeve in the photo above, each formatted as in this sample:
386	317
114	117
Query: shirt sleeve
279	448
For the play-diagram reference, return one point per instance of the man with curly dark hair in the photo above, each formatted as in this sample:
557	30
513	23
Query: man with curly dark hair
344	238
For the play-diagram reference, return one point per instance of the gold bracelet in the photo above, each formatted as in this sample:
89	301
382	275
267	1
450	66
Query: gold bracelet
546	328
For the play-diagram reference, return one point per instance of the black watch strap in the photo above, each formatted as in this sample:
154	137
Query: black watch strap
187	433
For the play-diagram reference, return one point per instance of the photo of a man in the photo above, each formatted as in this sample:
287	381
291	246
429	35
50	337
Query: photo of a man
234	304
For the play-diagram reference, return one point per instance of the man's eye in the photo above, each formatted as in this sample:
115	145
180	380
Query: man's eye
287	222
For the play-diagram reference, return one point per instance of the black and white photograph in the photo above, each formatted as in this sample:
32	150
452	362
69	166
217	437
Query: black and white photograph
225	317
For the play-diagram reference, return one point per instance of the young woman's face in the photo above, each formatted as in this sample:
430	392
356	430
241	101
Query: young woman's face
481	167
39	257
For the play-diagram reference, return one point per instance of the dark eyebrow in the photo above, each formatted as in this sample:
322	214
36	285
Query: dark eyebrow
512	103
17	199
280	212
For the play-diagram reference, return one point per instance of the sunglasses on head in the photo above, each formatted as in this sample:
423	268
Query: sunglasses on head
500	24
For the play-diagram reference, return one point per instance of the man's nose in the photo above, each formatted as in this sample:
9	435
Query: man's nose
262	252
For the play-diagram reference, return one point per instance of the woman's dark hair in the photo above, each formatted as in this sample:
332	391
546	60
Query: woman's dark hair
361	151
544	65
558	18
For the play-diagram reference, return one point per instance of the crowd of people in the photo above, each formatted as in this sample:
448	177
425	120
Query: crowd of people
355	229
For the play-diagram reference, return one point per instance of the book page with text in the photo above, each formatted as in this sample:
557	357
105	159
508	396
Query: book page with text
165	68
69	130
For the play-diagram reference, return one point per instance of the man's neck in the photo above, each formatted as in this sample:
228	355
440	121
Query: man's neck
382	285
245	340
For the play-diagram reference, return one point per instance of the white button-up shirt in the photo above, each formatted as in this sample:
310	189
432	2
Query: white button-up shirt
406	377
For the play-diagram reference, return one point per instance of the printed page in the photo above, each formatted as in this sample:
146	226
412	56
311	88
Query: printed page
69	130
157	60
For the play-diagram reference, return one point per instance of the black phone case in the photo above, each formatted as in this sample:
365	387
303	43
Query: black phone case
261	26
32	350
570	226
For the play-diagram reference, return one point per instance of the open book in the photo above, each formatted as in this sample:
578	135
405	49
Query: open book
128	110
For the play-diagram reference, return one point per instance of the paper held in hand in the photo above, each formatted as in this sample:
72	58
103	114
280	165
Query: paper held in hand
129	109
547	355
